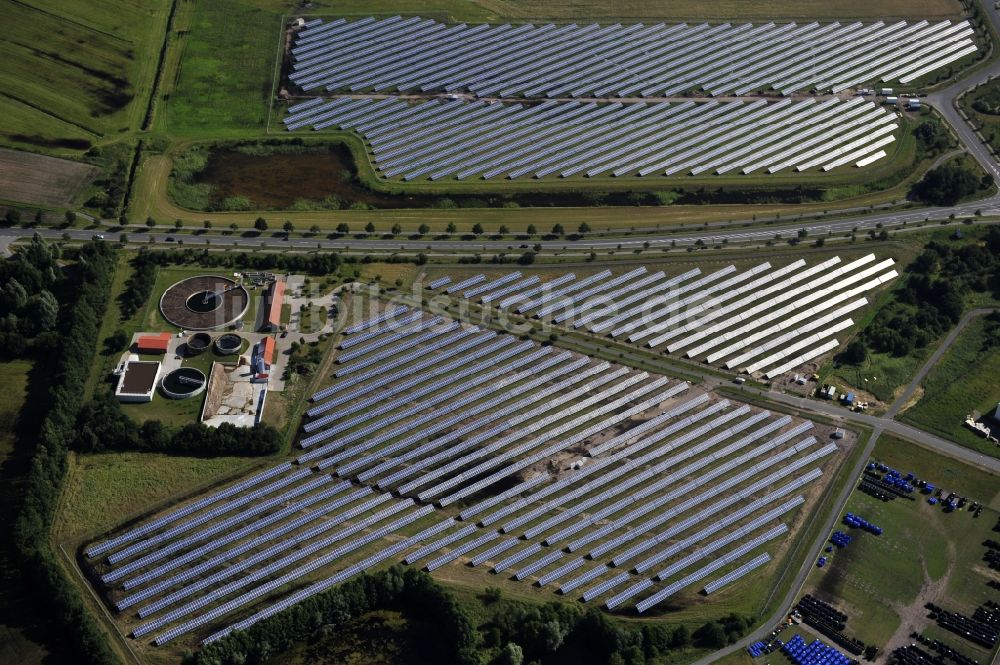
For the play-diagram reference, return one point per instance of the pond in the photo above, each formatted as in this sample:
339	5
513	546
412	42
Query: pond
293	179
276	181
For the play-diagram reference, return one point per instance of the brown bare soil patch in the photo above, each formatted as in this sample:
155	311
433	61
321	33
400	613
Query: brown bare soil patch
41	180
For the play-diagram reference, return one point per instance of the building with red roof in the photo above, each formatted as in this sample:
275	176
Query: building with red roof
273	300
267	350
263	358
151	344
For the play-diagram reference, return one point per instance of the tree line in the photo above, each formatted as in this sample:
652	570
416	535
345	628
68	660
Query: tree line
101	425
950	183
312	264
85	288
139	286
510	632
29	309
932	297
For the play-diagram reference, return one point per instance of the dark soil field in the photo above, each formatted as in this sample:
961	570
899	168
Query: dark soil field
40	180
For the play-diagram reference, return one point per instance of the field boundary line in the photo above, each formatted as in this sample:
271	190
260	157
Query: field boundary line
71	21
276	71
105	614
52	115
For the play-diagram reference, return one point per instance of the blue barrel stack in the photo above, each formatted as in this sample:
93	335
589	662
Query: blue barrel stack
815	653
856	522
840	539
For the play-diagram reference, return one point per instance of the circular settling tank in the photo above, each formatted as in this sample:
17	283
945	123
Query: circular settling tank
183	382
197	343
228	344
204	302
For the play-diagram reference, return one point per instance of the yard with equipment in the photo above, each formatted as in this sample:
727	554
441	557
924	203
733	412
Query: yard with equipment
925	553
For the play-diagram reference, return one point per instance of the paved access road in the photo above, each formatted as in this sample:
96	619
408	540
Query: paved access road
843	414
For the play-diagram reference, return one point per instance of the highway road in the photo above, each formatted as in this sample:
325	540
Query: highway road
250	241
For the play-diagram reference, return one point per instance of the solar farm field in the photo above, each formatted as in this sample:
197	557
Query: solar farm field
763	321
75	73
689	10
450	447
414	55
454	140
586	89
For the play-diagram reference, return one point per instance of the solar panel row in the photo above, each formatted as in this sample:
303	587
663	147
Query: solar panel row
764	312
455	139
422	55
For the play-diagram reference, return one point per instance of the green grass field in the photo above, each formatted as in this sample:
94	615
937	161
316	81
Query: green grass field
224	74
76	73
14	379
963	382
924	554
103	489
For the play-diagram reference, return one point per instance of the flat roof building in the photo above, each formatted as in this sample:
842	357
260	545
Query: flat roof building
138	380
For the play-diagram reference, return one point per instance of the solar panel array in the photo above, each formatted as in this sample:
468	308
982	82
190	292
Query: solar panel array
453	139
762	320
548	455
415	55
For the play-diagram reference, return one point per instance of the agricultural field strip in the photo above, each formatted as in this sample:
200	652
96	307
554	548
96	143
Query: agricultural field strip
315	521
440	139
418	55
764	317
30	178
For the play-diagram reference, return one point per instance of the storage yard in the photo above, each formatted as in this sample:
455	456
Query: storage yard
441	444
879	585
762	321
